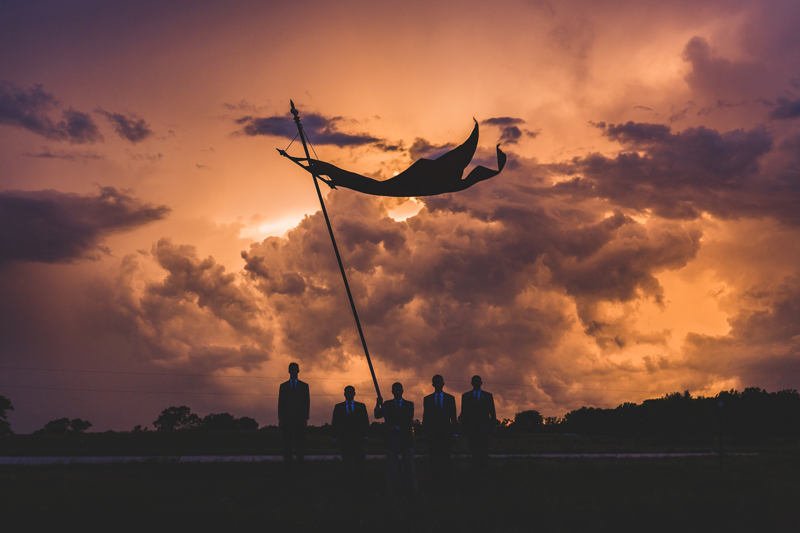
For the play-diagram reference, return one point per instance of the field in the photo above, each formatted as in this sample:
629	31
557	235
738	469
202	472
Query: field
644	495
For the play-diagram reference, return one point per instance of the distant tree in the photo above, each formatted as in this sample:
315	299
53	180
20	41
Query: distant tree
553	421
5	425
77	425
227	422
219	422
246	423
62	426
57	427
175	418
527	420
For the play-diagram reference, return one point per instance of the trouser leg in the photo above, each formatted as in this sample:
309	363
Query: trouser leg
300	445
435	456
445	454
392	471
288	434
408	468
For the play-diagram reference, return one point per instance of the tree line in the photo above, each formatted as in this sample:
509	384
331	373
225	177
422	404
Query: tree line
750	415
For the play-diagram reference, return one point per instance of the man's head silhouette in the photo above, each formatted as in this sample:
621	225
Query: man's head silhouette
438	383
397	390
349	393
294	369
476	383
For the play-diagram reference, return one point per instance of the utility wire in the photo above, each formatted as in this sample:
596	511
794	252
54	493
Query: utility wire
245	376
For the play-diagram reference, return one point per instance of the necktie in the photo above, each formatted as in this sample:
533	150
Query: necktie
477	395
439	401
349	407
293	384
397	403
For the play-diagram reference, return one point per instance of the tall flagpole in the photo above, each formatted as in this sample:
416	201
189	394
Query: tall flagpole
302	134
336	250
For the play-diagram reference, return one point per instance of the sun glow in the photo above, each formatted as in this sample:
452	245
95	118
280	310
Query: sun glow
406	210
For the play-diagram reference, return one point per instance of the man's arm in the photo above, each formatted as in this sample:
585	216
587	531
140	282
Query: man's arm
424	417
306	401
492	413
454	416
364	422
336	423
281	404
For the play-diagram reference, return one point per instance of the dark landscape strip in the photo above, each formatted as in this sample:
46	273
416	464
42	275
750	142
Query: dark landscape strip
46	460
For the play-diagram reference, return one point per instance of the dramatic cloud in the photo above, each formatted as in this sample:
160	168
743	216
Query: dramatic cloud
786	109
199	317
764	341
482	282
680	175
320	129
29	109
421	148
510	132
56	227
130	126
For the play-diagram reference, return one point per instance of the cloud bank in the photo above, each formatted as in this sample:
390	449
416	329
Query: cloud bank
56	227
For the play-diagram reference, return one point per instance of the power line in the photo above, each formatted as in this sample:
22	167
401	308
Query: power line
209	393
247	376
151	391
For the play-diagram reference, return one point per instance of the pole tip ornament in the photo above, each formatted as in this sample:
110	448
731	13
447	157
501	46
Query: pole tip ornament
294	110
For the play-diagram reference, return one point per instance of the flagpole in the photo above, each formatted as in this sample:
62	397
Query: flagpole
296	115
336	250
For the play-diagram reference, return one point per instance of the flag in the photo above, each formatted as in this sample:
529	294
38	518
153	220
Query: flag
426	177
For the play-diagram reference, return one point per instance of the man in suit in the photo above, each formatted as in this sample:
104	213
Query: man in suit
293	407
478	420
399	414
351	432
439	425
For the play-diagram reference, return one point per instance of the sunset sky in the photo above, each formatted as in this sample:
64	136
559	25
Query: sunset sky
155	249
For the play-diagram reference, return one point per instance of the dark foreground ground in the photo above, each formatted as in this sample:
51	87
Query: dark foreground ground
643	495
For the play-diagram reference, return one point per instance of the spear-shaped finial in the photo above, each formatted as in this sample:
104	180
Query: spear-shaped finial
294	111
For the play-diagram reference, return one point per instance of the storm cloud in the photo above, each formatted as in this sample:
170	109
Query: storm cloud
320	129
738	173
473	282
55	227
510	131
128	126
30	109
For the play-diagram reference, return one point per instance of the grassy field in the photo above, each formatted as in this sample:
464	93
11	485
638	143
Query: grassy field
644	495
318	441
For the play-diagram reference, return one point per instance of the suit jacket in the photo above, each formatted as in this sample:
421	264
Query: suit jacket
293	405
439	424
402	418
352	427
478	417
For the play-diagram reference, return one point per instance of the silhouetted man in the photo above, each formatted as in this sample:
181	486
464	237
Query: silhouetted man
293	407
439	426
478	420
399	415
351	431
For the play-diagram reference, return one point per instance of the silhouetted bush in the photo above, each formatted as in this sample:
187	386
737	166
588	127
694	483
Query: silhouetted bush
177	418
5	426
527	421
62	426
